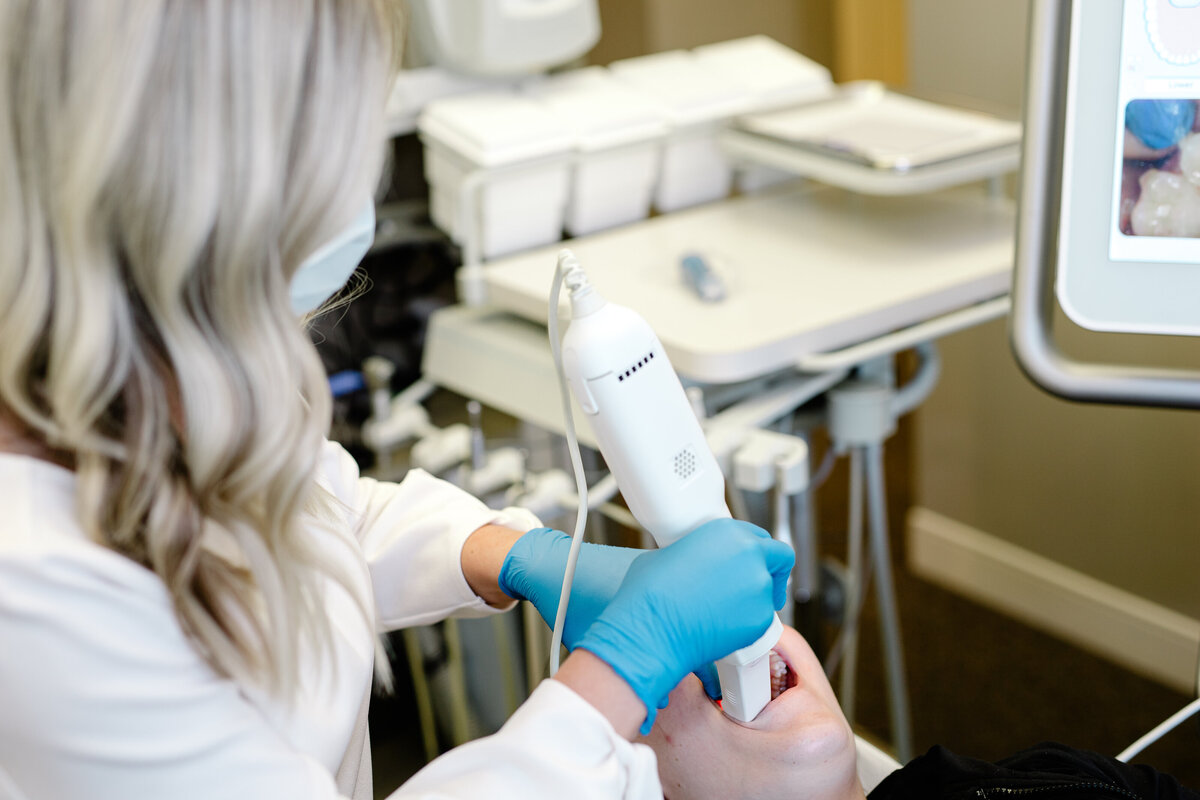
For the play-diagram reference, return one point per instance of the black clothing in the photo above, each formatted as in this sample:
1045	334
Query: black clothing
1050	771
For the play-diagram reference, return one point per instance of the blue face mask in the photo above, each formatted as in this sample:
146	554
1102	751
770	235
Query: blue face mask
326	271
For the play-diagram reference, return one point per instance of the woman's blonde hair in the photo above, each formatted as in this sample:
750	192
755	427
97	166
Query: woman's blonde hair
165	166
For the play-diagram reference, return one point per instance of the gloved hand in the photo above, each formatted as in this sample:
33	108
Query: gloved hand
1160	123
680	608
533	570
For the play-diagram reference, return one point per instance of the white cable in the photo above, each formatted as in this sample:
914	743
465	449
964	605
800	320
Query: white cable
601	492
1170	724
576	465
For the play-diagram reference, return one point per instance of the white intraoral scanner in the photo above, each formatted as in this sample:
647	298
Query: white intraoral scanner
651	440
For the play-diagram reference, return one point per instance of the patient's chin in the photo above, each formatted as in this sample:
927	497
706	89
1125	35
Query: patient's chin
799	748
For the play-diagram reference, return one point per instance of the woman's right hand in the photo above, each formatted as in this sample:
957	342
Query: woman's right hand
697	600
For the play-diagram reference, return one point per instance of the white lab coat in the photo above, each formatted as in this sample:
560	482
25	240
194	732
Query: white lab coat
102	696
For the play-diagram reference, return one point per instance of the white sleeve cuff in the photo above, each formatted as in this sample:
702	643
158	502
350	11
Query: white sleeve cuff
411	534
555	745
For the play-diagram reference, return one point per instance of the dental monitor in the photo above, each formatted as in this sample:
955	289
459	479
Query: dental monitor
1109	214
1129	242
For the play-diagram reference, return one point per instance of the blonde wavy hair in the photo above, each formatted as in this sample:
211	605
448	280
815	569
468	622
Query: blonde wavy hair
165	166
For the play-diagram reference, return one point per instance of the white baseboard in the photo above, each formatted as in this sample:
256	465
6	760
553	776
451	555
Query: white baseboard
1141	636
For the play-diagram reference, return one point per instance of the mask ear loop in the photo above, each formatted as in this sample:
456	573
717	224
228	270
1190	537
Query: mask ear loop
340	257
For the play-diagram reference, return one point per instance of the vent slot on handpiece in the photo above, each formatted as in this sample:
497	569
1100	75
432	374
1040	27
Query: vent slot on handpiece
633	368
685	463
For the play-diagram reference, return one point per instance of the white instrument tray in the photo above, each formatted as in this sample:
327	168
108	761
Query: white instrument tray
869	140
809	269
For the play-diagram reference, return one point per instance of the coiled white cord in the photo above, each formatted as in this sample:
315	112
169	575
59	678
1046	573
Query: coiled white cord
567	267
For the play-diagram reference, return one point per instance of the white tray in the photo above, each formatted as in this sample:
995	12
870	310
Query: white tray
867	139
809	269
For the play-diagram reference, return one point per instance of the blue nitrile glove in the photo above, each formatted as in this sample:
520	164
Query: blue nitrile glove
1160	123
684	606
533	570
709	679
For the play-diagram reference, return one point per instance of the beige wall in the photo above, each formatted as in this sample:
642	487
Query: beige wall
1111	492
854	38
637	27
971	51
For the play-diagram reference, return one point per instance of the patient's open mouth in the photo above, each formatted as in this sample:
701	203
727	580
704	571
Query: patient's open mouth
782	677
1169	202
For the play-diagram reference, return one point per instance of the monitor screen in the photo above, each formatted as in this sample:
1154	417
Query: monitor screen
1156	202
1129	216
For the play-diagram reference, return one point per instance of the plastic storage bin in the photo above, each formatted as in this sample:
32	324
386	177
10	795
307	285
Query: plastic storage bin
694	99
771	75
618	145
414	89
523	150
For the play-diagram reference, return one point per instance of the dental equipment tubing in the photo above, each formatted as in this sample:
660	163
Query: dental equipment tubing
648	434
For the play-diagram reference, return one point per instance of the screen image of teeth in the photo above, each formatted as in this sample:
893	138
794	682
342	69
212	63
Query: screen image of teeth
1160	176
1157	210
